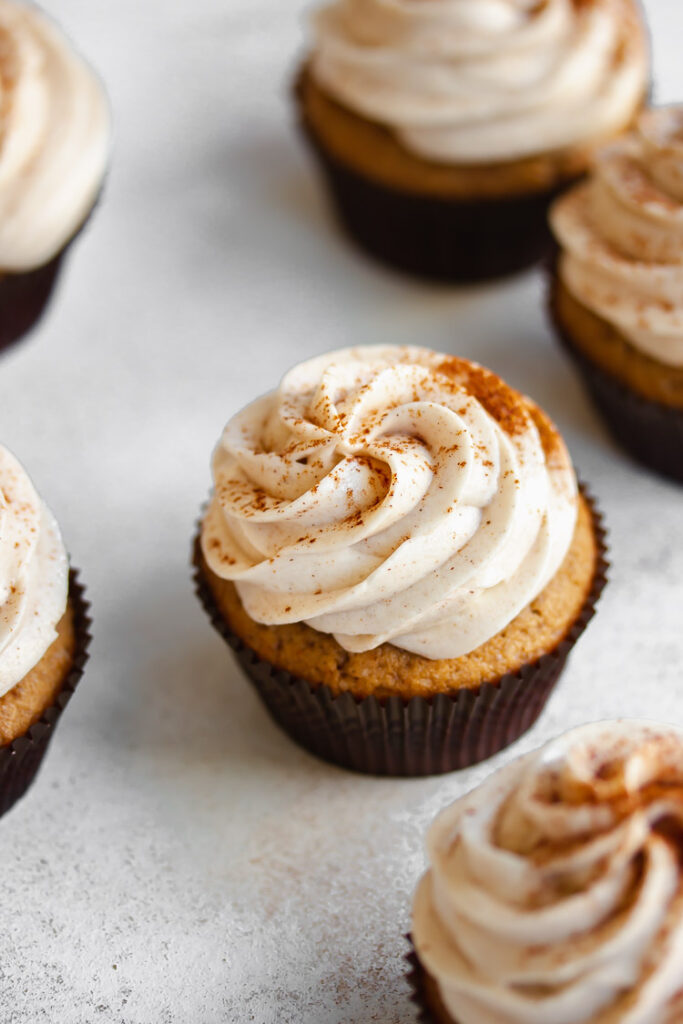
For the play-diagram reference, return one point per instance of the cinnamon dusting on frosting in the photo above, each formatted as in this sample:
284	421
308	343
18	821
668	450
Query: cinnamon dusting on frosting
621	236
556	889
412	448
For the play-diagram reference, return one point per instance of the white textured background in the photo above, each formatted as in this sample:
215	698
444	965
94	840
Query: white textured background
179	861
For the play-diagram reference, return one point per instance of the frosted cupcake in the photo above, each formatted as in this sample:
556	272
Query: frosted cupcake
397	551
617	289
54	143
43	629
444	128
555	890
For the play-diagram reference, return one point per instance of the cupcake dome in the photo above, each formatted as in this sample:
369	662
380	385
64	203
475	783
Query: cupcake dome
554	891
393	523
618	290
55	140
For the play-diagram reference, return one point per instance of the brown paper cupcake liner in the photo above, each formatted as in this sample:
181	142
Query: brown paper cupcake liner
651	432
420	736
21	759
423	991
448	240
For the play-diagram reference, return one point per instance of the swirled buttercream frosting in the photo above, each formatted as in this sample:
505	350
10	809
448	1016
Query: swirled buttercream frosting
34	574
54	138
621	237
555	890
387	494
470	81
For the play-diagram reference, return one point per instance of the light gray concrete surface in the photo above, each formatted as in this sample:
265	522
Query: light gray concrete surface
179	861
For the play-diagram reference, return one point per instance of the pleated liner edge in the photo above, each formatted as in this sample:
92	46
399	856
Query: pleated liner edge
21	759
420	736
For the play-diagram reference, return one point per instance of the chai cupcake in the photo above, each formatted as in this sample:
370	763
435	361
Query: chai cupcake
555	890
54	144
398	553
617	288
445	128
44	634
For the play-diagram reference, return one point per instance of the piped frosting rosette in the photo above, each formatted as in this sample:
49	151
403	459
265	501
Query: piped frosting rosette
54	138
34	573
555	891
388	494
470	81
621	235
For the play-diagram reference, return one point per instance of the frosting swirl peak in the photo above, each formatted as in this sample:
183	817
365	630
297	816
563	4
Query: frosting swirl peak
555	891
470	81
621	234
388	494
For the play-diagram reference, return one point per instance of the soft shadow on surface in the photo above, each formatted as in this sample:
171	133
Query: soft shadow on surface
189	702
276	188
270	174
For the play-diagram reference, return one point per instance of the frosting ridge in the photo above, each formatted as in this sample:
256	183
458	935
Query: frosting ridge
34	574
390	494
54	138
555	890
621	235
470	81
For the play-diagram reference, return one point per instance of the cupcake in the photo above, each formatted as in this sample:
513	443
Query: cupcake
555	890
54	141
397	551
617	288
43	630
445	128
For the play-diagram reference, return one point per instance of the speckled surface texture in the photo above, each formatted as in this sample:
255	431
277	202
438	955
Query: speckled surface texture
179	860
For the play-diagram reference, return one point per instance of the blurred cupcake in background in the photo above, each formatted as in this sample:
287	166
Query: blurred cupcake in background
398	553
617	288
444	128
44	634
555	889
54	145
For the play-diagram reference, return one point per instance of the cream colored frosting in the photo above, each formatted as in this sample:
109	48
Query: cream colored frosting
34	574
469	81
54	139
390	495
555	891
622	236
